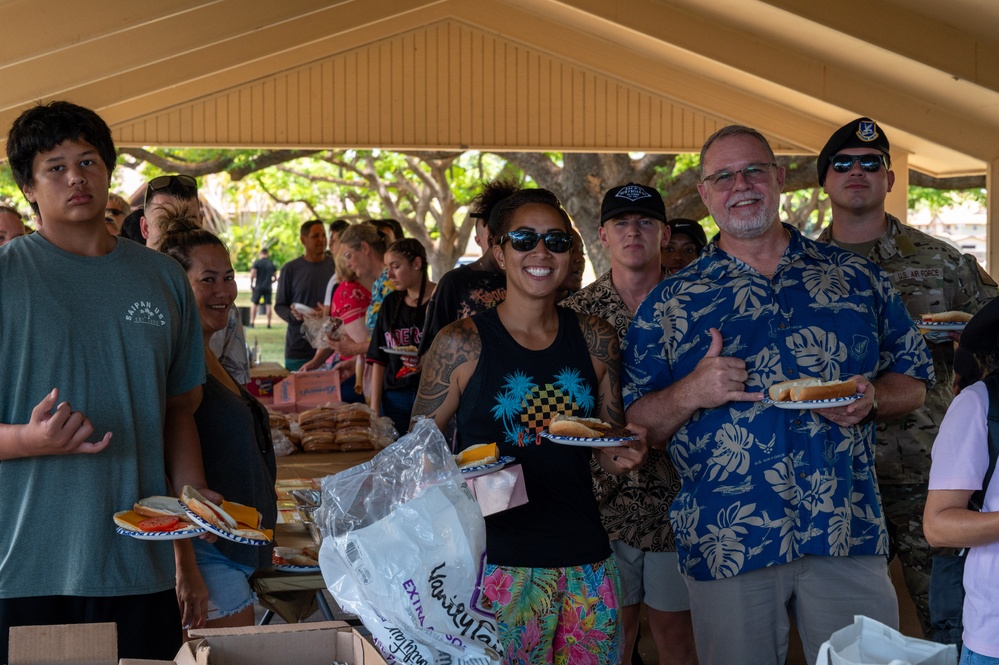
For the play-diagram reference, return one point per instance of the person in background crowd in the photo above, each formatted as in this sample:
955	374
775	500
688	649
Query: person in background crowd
337	227
634	506
778	509
959	469
131	365
263	274
504	374
390	229
577	264
302	283
116	212
235	433
131	227
11	224
686	240
931	276
394	379
478	286
176	196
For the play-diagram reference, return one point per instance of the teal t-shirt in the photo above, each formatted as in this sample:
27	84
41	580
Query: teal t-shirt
117	335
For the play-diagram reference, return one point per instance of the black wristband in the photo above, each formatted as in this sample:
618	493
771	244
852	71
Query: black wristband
872	414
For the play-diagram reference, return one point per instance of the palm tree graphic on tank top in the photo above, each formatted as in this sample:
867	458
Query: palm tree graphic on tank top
525	407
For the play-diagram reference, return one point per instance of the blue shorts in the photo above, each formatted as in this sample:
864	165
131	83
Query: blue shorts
652	578
228	582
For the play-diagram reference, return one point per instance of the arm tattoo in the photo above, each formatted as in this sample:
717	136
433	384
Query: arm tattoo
601	342
454	346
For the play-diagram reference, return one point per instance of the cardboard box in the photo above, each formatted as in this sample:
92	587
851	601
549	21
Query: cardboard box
263	378
318	643
307	390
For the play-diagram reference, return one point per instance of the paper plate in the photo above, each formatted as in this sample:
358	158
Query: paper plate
483	469
399	352
191	531
942	326
815	403
303	309
291	568
586	442
224	534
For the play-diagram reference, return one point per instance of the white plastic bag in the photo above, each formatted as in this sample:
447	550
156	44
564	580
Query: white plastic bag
870	642
403	549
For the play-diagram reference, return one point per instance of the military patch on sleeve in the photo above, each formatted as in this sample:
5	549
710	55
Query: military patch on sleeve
984	276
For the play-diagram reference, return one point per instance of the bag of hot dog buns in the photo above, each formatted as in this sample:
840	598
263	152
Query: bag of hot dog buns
404	549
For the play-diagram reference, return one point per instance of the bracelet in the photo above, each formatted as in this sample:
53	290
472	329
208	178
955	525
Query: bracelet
872	414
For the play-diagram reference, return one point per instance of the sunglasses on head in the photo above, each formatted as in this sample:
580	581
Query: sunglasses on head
525	240
182	182
844	163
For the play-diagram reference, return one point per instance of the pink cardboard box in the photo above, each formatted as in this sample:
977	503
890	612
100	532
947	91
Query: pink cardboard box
305	390
500	490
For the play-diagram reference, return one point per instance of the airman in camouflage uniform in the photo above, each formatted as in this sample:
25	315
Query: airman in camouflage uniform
931	276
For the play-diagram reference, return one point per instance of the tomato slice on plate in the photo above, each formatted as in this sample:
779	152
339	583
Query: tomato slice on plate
164	523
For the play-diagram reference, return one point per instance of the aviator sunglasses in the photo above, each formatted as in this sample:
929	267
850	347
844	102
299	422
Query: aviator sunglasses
870	162
524	240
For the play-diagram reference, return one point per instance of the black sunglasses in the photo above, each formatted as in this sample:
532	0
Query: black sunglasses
844	163
184	183
524	240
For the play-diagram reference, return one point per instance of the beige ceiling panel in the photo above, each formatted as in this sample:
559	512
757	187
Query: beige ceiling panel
415	90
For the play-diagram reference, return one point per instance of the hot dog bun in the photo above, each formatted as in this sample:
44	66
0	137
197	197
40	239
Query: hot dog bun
953	316
588	428
808	389
207	510
160	506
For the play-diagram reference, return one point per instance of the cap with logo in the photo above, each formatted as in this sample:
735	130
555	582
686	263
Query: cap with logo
632	198
691	228
859	133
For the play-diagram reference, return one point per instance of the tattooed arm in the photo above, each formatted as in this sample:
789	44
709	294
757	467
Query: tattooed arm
605	354
447	367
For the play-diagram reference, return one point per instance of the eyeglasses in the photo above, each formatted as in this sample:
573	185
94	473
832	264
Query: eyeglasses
524	240
870	162
184	183
753	174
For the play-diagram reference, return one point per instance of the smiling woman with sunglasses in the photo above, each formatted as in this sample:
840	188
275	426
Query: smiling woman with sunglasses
503	374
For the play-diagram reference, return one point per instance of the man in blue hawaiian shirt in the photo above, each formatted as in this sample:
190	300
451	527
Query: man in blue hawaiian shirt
779	509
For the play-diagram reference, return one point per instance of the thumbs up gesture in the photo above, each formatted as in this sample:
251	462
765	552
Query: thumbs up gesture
719	379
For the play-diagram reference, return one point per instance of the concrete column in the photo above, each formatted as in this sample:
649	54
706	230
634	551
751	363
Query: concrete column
897	201
991	217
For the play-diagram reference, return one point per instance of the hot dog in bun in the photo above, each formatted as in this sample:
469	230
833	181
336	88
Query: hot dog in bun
953	316
808	389
587	428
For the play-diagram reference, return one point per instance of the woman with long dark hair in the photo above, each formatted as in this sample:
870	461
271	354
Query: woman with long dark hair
399	328
504	374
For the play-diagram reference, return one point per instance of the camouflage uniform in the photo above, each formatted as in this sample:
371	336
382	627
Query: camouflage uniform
931	276
634	507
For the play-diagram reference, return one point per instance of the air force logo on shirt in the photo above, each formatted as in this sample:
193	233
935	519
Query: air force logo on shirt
143	311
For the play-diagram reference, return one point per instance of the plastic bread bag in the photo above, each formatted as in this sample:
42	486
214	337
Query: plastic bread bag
315	330
403	549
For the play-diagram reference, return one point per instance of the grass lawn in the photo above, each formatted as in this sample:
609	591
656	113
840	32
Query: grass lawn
271	340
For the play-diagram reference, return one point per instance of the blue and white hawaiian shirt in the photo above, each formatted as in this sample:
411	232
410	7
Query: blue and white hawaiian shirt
762	485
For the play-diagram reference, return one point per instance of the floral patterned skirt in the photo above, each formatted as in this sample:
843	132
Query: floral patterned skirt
558	615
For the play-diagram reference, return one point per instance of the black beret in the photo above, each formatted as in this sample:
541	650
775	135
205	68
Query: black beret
859	133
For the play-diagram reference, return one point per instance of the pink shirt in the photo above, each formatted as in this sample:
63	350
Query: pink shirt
960	459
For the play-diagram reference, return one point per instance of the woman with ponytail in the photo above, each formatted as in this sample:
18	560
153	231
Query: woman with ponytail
394	377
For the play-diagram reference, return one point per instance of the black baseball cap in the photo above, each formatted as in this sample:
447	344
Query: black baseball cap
691	228
859	133
632	198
